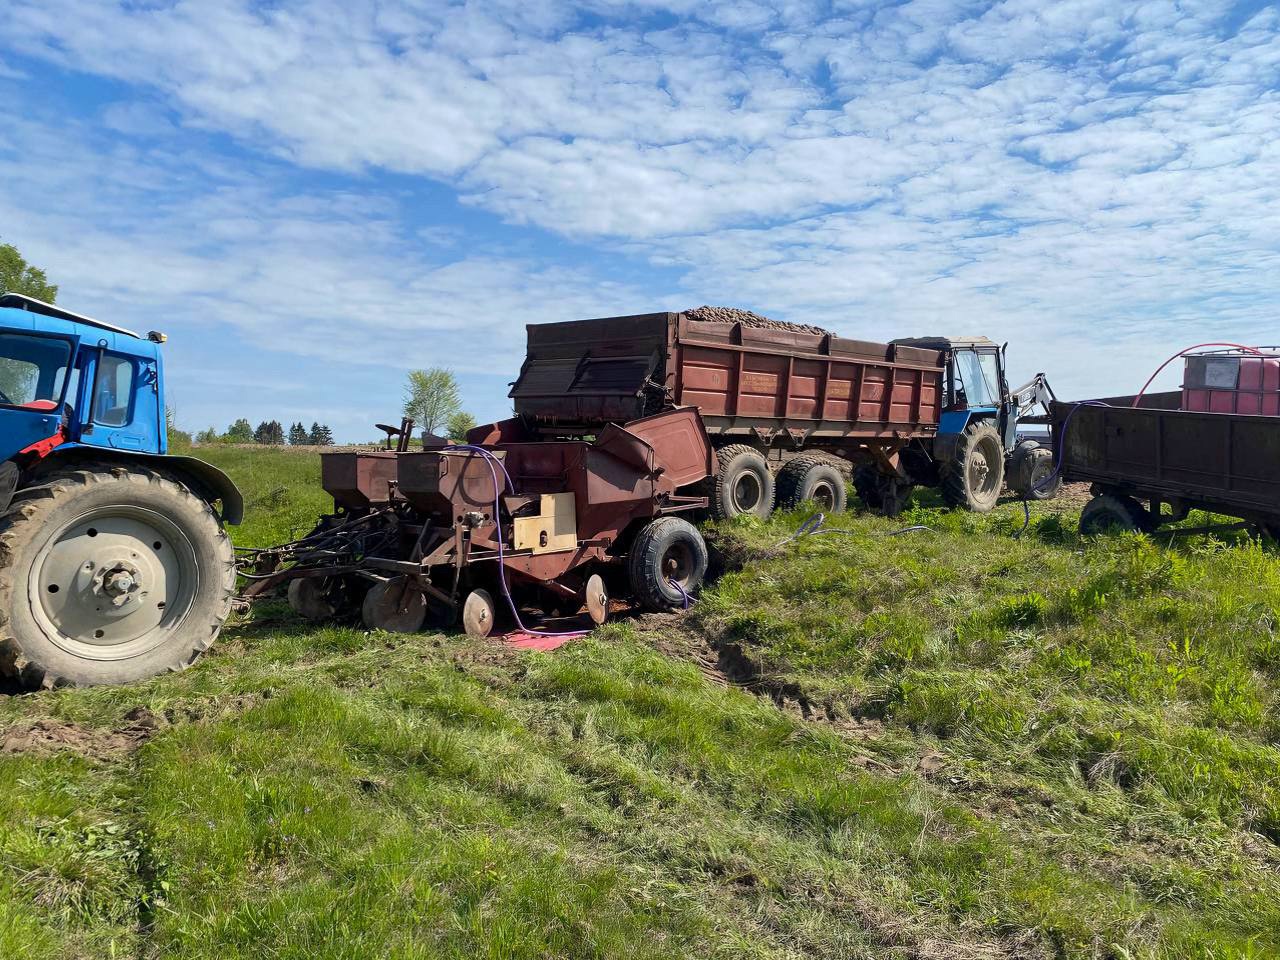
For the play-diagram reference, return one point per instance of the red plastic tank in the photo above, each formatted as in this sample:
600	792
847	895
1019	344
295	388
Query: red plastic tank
1232	382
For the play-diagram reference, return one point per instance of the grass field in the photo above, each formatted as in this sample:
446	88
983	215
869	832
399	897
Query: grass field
944	743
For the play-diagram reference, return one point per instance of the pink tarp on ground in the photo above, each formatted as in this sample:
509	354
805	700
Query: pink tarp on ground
533	641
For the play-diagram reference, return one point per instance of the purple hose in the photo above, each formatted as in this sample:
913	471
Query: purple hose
490	459
684	597
1057	465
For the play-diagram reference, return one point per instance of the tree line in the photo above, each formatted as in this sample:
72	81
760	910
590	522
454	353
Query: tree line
269	433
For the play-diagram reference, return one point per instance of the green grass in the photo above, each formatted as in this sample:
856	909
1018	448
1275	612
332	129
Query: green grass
281	488
952	744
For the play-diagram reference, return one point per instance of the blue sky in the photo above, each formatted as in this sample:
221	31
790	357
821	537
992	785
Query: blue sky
312	198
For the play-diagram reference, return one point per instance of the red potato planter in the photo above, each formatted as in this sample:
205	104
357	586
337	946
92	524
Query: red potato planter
472	532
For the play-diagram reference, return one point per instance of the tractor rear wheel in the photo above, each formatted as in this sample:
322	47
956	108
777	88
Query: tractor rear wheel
742	483
667	563
109	575
974	476
812	477
1108	513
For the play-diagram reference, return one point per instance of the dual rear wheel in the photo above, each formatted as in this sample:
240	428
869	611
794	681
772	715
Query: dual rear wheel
744	484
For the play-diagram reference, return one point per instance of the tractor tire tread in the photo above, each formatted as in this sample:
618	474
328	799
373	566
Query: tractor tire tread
1023	481
954	485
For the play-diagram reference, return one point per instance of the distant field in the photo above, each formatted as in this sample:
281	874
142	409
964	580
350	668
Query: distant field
281	488
944	743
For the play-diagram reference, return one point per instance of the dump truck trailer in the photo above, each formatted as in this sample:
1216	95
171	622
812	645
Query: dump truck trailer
784	406
762	393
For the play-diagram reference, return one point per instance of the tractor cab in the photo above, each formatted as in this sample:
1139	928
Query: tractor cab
66	379
976	386
978	446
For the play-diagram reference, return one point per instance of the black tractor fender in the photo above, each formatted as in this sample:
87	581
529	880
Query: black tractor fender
204	479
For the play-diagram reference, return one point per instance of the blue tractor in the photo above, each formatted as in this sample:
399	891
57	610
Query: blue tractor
114	564
983	443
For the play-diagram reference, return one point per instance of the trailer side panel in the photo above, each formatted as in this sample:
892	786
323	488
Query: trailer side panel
1227	462
743	380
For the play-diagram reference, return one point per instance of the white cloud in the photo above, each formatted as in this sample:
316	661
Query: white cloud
1038	169
136	119
257	283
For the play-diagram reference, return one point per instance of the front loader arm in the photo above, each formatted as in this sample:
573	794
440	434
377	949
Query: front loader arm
1036	392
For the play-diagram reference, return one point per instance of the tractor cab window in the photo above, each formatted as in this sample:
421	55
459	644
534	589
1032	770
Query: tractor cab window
115	390
33	370
978	377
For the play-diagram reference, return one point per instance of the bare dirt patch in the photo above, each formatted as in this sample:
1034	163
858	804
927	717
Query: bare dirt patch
45	735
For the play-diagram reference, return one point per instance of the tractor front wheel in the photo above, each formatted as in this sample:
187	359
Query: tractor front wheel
1032	472
109	575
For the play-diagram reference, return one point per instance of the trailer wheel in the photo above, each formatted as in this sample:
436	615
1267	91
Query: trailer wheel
974	476
110	575
742	483
395	606
1030	466
812	477
866	484
667	563
1107	513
